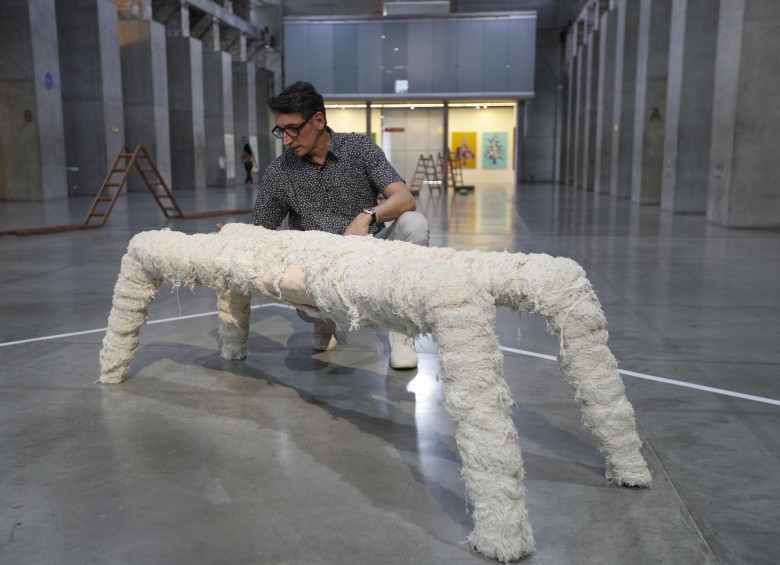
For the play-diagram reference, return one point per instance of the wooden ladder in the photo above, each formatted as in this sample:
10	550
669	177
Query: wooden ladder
419	176
431	174
442	167
456	172
117	178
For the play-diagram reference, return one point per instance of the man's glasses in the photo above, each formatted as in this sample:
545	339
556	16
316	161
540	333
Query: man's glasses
291	131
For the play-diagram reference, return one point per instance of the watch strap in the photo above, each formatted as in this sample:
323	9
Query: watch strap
372	213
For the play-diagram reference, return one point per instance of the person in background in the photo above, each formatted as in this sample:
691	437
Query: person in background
330	181
249	161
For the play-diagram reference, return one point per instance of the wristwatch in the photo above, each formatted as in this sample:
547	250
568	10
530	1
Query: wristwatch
371	212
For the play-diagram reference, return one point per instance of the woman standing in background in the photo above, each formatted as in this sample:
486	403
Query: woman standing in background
248	158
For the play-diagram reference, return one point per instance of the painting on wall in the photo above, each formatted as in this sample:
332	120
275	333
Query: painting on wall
464	147
494	150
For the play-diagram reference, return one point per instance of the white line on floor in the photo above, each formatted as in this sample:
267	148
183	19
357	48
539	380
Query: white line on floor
507	349
149	323
659	379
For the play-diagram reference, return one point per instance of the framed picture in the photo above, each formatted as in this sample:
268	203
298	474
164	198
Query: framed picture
464	148
494	150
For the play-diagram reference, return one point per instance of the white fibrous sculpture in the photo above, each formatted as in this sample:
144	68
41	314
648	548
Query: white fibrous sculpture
452	295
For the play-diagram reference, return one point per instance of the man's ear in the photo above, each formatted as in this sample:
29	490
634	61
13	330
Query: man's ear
319	117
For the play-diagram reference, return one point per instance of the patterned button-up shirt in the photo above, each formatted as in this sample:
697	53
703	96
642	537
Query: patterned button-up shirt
324	197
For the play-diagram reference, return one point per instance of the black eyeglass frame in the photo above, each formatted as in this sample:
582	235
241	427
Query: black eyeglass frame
278	132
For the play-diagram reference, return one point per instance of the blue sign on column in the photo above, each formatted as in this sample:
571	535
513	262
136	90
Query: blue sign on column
48	80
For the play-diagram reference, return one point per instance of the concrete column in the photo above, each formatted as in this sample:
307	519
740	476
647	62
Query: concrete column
652	71
563	144
571	94
265	141
185	92
687	139
244	112
579	117
592	56
184	13
625	97
32	148
605	108
520	111
540	138
744	165
134	9
145	93
445	122
213	35
242	47
368	116
91	90
218	106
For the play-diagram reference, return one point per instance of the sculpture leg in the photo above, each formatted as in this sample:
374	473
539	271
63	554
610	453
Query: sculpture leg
133	294
563	295
478	399
445	302
606	412
233	323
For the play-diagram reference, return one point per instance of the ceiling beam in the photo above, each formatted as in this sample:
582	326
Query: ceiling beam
226	17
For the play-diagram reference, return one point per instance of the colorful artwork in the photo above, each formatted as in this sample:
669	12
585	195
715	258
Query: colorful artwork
494	150
464	147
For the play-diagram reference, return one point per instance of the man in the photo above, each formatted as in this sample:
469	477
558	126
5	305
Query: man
330	182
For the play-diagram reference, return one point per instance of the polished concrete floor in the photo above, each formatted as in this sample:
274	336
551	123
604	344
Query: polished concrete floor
297	457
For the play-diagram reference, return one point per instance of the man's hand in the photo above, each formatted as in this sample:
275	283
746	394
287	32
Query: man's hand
218	227
360	225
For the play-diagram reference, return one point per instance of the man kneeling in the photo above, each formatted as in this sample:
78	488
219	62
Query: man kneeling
330	182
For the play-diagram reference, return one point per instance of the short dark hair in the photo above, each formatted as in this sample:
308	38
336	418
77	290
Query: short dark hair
298	98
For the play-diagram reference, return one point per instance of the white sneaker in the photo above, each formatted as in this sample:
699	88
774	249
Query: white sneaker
324	336
402	354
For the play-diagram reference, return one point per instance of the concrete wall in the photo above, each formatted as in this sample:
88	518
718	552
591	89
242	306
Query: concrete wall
32	155
92	90
45	68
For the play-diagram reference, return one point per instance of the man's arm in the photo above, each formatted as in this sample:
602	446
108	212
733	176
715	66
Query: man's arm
398	199
269	211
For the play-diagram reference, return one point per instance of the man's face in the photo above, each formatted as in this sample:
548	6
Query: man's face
300	133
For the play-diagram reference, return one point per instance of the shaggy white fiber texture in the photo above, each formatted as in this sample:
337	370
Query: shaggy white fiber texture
553	287
416	290
405	294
